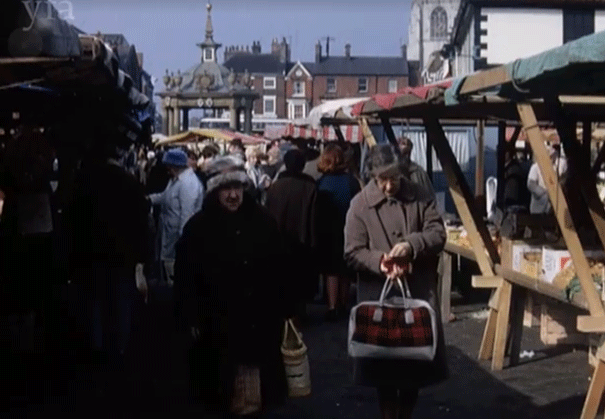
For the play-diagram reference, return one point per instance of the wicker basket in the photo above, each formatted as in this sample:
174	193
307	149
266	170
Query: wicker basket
296	361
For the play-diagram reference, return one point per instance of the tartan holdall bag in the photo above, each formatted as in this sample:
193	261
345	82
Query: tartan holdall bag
398	327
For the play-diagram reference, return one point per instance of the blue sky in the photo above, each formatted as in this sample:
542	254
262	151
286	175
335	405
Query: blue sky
166	32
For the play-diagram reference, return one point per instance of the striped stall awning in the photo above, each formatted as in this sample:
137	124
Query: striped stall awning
404	97
351	133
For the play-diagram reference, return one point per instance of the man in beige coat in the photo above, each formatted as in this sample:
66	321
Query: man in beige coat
388	225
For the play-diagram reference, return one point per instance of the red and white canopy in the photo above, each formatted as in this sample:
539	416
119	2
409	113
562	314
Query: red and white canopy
404	97
312	128
351	133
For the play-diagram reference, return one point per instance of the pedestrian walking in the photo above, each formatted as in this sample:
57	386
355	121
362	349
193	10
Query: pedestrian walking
209	153
231	289
387	227
109	230
181	199
260	182
292	200
414	172
336	188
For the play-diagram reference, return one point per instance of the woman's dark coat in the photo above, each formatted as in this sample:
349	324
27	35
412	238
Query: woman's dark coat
335	192
292	200
230	281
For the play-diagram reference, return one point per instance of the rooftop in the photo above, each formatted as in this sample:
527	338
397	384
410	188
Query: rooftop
358	66
256	63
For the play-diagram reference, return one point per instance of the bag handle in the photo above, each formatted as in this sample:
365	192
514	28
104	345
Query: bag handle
290	325
402	284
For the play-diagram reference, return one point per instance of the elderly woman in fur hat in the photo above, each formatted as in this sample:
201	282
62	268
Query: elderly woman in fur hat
390	225
230	279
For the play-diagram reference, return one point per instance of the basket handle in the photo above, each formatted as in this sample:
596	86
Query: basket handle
289	324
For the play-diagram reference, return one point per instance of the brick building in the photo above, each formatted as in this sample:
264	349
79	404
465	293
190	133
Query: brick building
336	77
268	74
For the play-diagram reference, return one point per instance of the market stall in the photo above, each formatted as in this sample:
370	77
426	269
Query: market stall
204	134
329	121
559	87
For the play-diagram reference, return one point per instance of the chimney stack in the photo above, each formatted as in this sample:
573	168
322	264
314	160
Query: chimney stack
348	50
404	51
318	52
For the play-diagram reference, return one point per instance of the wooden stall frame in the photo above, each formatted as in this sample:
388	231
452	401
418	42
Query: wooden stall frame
495	336
481	241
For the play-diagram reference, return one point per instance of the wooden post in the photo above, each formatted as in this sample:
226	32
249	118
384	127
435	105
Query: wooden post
596	167
481	241
519	297
339	135
501	162
367	132
483	245
502	321
429	159
388	129
576	157
595	392
517	306
536	139
445	288
586	141
480	166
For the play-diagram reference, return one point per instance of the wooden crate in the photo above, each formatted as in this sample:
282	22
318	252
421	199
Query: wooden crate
558	325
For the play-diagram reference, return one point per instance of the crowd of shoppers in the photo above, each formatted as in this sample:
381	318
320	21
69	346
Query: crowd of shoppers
242	238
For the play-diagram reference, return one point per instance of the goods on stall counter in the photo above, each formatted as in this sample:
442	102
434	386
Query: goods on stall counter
459	237
568	279
531	263
557	265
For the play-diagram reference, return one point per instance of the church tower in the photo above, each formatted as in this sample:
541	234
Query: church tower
431	24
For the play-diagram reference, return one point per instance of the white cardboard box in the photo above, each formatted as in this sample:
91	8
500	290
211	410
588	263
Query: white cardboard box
518	250
555	260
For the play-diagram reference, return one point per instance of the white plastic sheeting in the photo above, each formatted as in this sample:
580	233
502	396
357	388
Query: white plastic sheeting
460	139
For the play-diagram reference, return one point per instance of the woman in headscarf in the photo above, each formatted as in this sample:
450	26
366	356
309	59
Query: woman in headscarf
388	227
231	288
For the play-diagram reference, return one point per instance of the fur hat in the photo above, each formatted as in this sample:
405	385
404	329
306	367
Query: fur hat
175	157
226	170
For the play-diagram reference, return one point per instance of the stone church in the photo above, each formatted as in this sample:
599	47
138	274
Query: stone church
431	23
